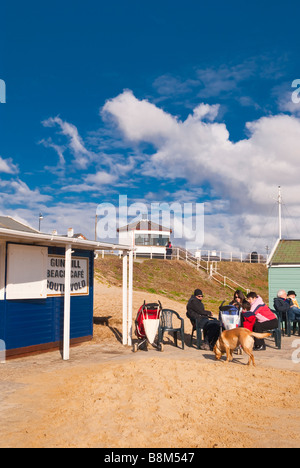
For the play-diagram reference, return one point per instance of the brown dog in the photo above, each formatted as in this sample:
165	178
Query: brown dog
231	339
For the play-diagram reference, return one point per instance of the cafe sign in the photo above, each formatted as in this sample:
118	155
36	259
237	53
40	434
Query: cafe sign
56	276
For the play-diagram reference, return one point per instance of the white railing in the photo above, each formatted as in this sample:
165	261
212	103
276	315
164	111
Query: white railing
211	269
220	255
226	281
201	255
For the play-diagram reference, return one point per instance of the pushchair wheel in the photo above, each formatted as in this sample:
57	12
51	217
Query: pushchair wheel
135	347
160	347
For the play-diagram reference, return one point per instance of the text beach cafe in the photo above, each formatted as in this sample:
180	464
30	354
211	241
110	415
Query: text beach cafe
47	290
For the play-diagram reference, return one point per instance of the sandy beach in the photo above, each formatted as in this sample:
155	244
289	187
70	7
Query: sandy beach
106	396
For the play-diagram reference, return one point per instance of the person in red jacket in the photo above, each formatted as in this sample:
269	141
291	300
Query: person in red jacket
265	319
248	317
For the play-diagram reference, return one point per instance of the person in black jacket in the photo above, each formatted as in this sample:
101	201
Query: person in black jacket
285	306
195	310
282	304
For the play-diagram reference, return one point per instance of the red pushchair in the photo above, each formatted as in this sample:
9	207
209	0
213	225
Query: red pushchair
147	324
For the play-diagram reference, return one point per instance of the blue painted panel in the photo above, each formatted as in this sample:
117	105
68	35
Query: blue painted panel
2	320
28	323
34	322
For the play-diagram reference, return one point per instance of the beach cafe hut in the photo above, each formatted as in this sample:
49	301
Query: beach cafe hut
284	268
46	289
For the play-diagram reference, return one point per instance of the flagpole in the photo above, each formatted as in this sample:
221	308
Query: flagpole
279	212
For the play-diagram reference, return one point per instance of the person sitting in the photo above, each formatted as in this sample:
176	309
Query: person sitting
238	299
282	304
294	313
292	295
196	312
248	317
285	306
265	319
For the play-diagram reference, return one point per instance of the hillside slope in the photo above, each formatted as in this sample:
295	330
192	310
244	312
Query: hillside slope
177	280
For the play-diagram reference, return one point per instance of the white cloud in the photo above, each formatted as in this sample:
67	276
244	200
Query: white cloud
58	149
7	166
199	151
204	111
101	178
60	217
285	95
16	192
93	183
144	121
76	145
246	173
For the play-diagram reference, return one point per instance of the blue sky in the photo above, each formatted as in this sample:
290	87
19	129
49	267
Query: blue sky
160	101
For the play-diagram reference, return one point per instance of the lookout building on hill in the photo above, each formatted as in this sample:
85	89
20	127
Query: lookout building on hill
146	237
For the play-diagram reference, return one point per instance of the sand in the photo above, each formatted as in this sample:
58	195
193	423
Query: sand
106	396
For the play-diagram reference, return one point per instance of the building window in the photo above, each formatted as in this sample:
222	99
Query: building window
151	240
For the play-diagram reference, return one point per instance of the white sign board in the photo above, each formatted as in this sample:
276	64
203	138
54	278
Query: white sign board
26	272
56	276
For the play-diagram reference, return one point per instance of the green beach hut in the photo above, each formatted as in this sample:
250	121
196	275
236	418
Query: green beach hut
284	268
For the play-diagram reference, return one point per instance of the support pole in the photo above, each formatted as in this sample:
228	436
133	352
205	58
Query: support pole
125	298
130	288
67	303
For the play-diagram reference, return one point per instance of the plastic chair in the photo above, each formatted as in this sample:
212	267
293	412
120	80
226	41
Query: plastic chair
199	334
166	325
277	332
286	323
289	324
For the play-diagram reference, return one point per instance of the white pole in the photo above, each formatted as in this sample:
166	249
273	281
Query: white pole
279	212
125	286
130	288
67	303
2	352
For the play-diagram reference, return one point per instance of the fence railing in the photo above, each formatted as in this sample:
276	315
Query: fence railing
225	256
205	256
226	281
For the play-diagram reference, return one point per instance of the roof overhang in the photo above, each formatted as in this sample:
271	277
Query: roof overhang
10	235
